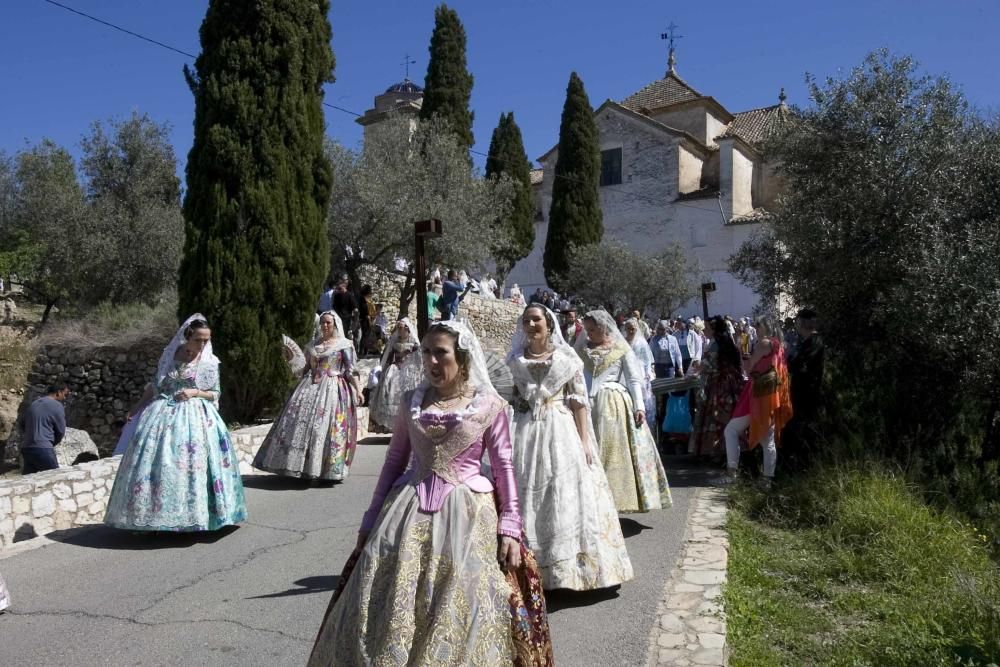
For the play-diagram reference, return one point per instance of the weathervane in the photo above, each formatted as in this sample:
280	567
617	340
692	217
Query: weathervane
407	61
671	36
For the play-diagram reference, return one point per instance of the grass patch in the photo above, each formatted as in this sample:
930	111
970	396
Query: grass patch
17	353
116	325
847	566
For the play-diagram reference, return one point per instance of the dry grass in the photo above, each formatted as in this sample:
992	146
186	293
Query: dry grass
114	325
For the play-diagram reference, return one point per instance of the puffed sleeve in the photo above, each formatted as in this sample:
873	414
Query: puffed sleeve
576	391
633	378
498	445
396	460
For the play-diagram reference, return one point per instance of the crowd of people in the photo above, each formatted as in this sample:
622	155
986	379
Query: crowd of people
483	503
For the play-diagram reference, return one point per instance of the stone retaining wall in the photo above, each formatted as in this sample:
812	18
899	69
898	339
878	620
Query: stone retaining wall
494	320
105	382
37	504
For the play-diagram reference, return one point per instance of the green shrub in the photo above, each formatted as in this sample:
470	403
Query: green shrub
848	566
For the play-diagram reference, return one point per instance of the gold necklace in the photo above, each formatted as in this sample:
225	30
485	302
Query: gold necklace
446	402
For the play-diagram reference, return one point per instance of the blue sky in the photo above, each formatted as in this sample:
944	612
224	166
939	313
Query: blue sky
61	72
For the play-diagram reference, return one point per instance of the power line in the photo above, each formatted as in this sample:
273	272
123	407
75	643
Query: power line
150	40
120	29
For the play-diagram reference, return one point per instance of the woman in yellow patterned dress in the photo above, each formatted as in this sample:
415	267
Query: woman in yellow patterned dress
614	381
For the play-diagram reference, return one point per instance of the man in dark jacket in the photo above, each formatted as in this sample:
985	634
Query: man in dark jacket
44	425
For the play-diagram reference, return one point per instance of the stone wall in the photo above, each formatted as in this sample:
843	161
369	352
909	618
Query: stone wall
105	382
493	320
75	496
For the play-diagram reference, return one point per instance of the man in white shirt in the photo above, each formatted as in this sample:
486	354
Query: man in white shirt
690	344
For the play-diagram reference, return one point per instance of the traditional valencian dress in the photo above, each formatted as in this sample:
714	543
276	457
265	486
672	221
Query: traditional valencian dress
179	471
402	371
568	509
628	453
316	433
427	589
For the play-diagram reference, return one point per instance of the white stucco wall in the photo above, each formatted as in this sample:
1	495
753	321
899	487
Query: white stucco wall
642	213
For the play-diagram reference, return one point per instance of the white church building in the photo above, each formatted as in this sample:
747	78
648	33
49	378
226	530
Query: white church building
676	167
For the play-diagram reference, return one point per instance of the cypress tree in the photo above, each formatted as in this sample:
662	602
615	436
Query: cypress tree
507	156
258	187
448	84
575	217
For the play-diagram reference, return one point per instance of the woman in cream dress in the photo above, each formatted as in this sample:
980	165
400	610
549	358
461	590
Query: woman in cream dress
614	381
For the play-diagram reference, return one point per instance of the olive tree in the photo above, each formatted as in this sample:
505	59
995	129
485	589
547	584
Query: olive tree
616	277
404	174
890	228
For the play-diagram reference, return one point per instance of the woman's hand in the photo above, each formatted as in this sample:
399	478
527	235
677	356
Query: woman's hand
509	553
186	394
640	418
587	452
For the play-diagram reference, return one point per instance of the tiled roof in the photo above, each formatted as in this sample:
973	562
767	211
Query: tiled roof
756	125
536	176
666	91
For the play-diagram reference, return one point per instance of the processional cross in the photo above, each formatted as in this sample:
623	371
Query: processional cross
407	61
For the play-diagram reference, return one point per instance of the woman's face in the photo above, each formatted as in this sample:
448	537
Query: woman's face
595	333
536	327
197	340
402	332
630	331
440	364
327	328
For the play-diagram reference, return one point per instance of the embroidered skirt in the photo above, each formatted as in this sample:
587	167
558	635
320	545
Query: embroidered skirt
628	453
426	589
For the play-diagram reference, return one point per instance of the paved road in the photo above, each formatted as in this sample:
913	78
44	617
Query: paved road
255	595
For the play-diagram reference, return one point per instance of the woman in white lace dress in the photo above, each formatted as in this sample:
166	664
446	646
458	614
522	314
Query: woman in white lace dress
401	372
316	433
568	509
614	381
635	339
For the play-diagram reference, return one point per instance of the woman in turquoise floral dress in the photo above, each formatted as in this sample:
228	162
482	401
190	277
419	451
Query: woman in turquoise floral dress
180	472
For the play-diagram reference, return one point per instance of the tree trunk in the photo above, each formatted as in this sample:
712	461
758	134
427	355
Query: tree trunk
406	293
48	309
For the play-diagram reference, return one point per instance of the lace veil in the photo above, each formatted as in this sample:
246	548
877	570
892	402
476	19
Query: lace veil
342	342
394	340
479	376
605	323
566	363
207	372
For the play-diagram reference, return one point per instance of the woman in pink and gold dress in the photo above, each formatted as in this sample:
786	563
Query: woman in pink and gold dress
431	573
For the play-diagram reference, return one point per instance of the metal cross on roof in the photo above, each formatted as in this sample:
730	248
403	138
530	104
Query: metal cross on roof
671	36
407	61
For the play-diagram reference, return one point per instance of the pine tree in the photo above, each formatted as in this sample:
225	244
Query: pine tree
507	156
575	217
448	85
258	187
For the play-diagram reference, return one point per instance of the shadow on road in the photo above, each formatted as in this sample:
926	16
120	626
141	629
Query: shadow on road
631	527
686	471
306	586
565	599
105	537
275	483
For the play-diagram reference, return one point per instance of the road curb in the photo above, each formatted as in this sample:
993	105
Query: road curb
691	624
